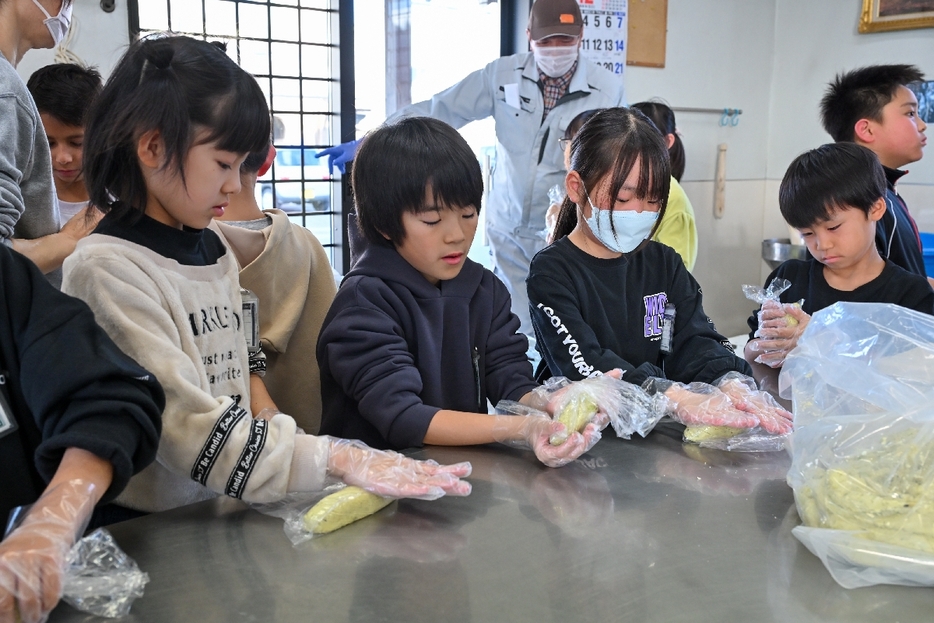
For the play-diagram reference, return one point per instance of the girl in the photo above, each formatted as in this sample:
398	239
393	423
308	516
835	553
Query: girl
677	229
604	296
163	149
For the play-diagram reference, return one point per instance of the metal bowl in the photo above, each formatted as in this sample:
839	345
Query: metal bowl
777	250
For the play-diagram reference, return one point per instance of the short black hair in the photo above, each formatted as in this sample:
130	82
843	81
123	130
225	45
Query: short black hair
832	177
254	161
65	91
574	127
862	94
395	165
663	117
178	86
610	143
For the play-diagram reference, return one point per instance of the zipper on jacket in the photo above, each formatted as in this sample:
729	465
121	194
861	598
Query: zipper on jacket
476	378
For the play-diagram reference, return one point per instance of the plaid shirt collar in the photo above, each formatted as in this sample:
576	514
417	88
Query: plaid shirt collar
554	88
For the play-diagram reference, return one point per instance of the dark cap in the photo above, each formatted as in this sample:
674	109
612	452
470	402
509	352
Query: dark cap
555	17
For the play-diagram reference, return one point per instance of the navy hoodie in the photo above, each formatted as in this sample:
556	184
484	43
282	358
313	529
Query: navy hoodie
395	349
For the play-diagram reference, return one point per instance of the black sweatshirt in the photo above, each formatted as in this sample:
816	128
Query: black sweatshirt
592	315
395	349
894	285
897	233
65	384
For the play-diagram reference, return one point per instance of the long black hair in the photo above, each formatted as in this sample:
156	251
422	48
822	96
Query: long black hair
610	143
664	119
178	86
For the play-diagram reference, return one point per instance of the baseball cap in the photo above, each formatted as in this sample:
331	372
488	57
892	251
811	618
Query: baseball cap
555	17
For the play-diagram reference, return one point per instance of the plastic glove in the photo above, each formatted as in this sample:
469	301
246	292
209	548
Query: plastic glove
780	326
393	475
747	397
32	558
533	429
339	155
697	404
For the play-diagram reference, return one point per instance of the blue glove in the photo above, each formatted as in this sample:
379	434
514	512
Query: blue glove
339	155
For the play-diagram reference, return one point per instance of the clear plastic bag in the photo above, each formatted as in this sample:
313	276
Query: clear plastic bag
630	408
862	382
100	578
293	508
771	293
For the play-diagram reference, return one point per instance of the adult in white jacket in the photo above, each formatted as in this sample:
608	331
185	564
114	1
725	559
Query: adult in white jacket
532	97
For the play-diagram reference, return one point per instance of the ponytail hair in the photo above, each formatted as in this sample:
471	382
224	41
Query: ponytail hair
611	143
664	119
185	89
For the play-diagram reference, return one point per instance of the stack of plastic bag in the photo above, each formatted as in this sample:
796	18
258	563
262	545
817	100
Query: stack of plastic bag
862	384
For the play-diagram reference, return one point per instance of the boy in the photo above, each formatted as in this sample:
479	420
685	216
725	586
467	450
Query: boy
286	267
873	107
63	94
419	337
834	195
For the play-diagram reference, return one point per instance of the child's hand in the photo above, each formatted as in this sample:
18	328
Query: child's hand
746	397
393	475
710	407
82	223
539	431
780	326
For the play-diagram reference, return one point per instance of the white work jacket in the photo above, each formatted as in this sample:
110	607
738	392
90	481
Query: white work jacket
529	159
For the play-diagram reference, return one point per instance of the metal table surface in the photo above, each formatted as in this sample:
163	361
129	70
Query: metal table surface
640	530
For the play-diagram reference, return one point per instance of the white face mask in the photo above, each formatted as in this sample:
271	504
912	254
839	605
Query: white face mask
627	231
555	61
59	24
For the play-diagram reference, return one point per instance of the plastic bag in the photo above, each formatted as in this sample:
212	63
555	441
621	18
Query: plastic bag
771	293
100	578
630	409
292	509
862	382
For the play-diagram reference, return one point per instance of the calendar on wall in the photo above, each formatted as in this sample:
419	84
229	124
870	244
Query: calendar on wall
605	32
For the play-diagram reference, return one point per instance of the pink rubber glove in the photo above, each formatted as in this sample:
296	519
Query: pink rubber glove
393	475
746	397
32	558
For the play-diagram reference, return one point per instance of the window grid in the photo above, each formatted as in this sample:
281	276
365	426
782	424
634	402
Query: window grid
317	203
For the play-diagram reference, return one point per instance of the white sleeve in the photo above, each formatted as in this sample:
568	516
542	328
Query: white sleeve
468	100
212	440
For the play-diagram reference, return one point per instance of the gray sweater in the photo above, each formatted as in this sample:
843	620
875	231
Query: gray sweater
27	195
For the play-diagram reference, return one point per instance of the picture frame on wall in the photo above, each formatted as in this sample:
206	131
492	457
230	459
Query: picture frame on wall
886	15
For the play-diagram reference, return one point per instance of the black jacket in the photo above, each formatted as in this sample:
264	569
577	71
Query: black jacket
394	350
592	315
65	384
897	233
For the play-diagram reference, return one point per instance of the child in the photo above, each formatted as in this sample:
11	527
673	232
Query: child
419	337
677	229
63	93
834	195
164	145
606	296
873	107
556	193
29	220
286	267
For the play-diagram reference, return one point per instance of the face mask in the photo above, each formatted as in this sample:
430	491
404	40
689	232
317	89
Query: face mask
554	61
59	24
628	229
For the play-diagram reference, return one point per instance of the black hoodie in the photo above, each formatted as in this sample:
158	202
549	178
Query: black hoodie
395	349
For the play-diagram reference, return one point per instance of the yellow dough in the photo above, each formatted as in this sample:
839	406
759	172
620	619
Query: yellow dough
342	508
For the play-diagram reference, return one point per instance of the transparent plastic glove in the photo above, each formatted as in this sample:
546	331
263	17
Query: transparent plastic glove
393	475
699	404
32	557
780	327
521	426
747	397
339	155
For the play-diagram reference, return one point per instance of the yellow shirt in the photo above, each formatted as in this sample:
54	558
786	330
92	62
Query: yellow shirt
677	229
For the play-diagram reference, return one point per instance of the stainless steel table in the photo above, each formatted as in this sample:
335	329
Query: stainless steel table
640	530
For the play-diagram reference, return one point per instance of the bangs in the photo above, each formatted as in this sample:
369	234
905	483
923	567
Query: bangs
654	173
240	122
